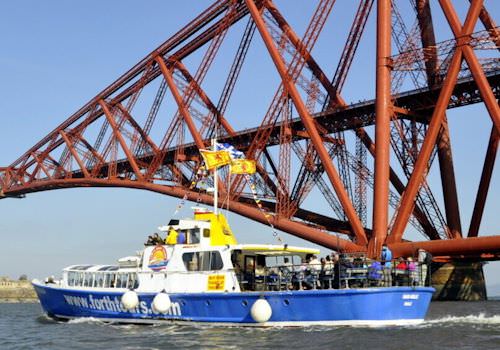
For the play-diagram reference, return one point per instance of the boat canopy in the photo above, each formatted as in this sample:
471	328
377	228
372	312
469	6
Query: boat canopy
274	250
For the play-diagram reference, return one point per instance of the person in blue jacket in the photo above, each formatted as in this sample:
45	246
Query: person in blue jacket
386	258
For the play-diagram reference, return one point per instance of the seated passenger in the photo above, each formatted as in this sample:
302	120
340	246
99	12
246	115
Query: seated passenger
312	270
314	264
375	273
287	267
300	273
181	238
401	272
401	265
260	268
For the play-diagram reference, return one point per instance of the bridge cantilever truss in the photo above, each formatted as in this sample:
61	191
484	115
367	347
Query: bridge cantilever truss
303	146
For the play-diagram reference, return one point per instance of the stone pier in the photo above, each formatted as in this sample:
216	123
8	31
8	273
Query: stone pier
459	281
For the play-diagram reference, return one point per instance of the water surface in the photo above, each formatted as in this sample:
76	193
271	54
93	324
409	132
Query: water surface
449	325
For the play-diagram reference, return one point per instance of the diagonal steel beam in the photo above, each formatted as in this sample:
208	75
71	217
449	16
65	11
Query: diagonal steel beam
445	155
74	153
484	184
309	125
121	140
471	58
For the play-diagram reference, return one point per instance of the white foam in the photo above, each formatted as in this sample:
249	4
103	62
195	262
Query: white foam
81	320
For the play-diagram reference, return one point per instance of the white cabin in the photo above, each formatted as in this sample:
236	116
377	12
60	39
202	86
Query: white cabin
199	255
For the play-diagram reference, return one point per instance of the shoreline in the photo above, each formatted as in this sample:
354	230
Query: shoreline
19	301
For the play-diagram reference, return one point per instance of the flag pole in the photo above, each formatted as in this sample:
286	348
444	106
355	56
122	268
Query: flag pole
216	187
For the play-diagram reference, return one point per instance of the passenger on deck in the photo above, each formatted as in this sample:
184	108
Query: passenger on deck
313	271
157	239
336	270
314	264
172	237
425	261
328	265
150	241
328	273
340	274
412	270
386	258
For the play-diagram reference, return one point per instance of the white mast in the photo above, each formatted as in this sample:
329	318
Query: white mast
216	188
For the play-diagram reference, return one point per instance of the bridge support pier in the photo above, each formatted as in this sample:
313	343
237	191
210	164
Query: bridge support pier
458	281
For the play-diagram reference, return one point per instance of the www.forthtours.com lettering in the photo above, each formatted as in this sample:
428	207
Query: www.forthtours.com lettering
114	305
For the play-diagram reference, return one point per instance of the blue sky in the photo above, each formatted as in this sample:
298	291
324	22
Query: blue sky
56	55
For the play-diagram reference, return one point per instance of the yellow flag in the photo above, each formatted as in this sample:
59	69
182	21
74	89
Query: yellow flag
215	159
243	166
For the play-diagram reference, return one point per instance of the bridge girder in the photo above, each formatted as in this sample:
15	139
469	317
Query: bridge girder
454	77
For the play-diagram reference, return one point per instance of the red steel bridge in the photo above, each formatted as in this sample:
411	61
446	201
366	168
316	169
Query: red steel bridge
310	142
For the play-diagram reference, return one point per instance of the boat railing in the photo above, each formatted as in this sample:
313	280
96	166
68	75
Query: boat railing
346	273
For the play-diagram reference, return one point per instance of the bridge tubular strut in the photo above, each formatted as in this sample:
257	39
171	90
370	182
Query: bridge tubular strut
408	198
383	112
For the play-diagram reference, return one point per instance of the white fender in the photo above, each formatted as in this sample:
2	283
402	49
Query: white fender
130	300
261	311
161	303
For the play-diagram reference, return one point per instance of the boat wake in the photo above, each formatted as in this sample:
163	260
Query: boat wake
44	319
479	319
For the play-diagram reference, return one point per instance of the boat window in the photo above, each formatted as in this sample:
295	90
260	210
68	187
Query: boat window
131	281
71	279
193	236
99	280
206	232
202	261
249	262
81	278
87	279
122	281
190	261
112	280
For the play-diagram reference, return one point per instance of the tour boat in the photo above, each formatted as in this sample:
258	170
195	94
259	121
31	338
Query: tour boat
208	277
199	273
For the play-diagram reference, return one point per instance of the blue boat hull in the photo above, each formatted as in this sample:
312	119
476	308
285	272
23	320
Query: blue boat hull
368	306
